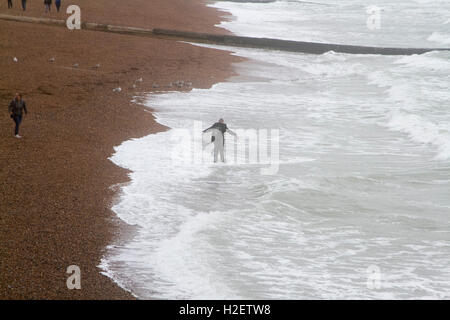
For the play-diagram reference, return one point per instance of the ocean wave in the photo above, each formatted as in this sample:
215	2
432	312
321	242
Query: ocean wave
422	131
432	61
440	38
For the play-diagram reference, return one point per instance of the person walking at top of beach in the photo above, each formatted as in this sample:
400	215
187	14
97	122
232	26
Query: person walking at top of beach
9	4
218	130
58	4
24	5
48	5
16	109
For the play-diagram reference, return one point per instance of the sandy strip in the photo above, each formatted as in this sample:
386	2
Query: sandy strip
55	183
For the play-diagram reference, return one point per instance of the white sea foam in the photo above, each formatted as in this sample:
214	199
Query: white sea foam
422	131
363	179
342	22
431	61
415	103
440	38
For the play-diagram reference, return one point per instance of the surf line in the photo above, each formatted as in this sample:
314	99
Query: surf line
230	40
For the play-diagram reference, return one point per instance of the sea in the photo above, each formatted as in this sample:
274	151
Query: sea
338	185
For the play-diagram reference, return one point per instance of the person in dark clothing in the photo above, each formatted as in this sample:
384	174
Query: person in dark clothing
48	5
16	109
24	5
221	126
9	4
218	130
58	4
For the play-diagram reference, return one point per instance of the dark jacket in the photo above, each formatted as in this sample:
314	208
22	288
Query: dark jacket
222	127
17	107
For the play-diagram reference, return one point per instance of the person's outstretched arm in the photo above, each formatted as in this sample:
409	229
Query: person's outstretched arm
213	126
207	129
231	132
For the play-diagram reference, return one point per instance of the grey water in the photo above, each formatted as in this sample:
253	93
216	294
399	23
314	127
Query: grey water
359	207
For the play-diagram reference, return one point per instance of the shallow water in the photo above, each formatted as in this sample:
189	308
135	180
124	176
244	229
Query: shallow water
359	206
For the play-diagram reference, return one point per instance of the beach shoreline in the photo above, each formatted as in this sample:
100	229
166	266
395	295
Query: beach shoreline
57	183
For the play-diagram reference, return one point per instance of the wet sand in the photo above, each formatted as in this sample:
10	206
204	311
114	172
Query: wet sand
55	182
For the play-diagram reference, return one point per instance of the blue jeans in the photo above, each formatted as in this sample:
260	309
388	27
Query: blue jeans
24	5
17	119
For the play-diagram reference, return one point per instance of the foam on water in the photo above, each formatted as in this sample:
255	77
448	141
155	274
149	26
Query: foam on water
420	104
441	38
362	185
402	23
422	131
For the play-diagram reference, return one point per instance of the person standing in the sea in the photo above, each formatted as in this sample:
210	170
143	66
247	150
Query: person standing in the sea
218	130
9	4
16	109
58	4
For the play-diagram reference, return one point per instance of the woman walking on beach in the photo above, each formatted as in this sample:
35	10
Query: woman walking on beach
48	5
16	109
9	4
58	4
